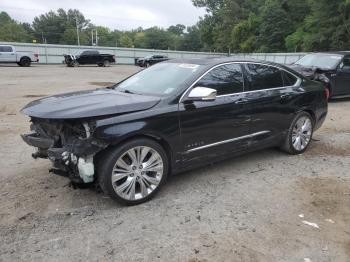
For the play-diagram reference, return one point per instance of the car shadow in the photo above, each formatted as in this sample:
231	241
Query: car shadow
339	100
186	181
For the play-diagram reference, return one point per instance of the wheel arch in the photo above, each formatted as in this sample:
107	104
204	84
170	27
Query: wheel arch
157	138
25	57
309	111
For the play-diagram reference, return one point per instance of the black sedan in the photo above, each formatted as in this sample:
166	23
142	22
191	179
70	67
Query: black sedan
173	117
150	60
332	69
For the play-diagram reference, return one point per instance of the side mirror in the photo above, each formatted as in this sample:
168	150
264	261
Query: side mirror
202	94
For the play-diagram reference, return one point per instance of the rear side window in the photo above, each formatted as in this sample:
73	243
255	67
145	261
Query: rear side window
225	79
263	77
289	79
5	49
90	53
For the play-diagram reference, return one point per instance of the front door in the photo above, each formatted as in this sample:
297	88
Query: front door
213	128
342	81
7	54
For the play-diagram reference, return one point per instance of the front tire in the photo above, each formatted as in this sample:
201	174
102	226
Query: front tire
133	172
299	134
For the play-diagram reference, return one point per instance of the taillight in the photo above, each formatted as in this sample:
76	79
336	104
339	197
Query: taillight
326	92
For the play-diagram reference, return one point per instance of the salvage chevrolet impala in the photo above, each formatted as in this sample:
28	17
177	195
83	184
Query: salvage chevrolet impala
172	117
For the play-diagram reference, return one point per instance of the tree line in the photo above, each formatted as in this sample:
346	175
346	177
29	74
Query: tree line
228	26
275	25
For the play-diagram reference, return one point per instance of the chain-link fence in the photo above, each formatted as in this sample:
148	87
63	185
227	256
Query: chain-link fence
53	54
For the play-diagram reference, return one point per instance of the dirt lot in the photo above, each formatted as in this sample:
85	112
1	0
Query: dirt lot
249	208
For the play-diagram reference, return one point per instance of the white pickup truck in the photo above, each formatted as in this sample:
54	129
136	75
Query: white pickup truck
8	54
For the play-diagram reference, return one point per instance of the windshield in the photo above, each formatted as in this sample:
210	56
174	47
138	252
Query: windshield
161	79
323	61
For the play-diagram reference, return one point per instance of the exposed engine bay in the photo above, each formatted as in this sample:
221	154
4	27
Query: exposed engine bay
68	144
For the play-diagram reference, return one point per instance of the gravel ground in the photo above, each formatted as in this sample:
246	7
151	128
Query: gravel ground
249	208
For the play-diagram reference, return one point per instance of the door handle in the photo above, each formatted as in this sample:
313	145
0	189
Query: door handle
241	101
285	96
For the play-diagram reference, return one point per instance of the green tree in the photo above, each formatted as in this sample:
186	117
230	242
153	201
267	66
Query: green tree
125	41
52	25
276	26
244	35
191	40
177	29
10	30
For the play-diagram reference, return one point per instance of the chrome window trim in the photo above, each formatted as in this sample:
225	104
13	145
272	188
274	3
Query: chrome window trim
298	82
228	141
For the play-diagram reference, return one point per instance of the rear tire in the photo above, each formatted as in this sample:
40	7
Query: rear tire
106	63
25	62
138	168
299	135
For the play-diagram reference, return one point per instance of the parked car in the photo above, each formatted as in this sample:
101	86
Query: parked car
332	69
172	117
150	60
8	54
89	57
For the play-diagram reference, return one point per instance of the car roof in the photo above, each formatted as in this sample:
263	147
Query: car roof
212	61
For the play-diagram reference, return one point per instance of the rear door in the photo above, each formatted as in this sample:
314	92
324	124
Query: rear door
7	54
213	128
95	57
343	78
270	99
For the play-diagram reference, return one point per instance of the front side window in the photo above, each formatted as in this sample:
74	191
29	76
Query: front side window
225	79
6	49
263	77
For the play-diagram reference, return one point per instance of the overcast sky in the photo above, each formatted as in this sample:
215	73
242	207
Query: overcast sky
115	14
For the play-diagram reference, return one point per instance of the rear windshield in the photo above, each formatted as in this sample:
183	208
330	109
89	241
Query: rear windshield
323	61
160	80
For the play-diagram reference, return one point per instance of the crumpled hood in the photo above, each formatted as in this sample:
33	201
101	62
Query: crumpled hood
312	73
86	104
308	72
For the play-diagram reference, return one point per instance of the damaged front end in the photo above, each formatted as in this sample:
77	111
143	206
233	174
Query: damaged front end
69	144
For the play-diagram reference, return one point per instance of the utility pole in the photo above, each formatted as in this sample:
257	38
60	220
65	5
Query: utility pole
76	23
96	38
94	35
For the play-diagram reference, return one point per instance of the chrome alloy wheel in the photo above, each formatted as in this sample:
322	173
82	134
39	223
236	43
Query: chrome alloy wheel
137	173
302	132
